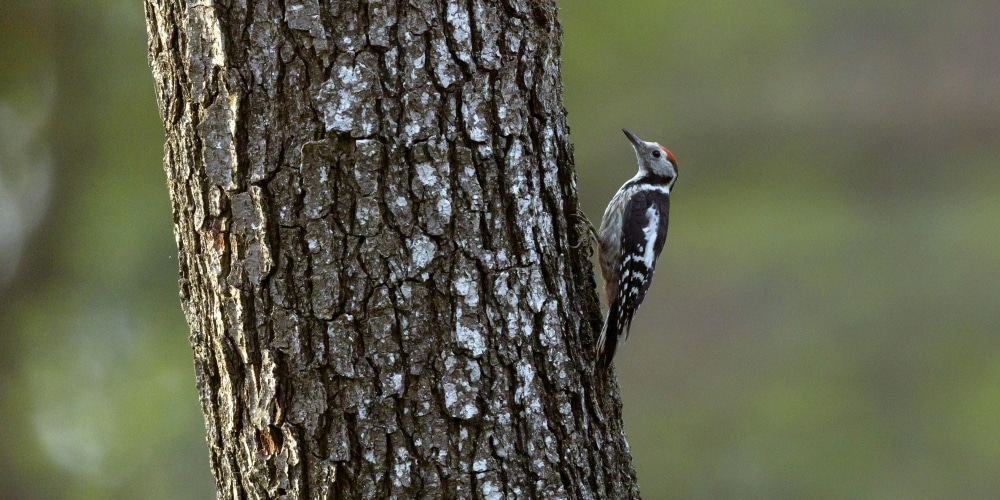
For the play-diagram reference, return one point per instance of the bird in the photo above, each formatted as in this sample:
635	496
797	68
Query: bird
632	233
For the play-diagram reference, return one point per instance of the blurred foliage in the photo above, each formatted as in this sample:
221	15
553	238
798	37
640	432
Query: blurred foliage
98	397
825	319
826	309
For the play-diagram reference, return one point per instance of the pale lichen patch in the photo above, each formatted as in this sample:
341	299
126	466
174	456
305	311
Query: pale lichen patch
446	71
422	251
349	97
381	17
487	25
475	107
460	385
401	468
468	334
461	31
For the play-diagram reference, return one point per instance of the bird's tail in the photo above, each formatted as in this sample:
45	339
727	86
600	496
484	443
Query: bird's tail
607	342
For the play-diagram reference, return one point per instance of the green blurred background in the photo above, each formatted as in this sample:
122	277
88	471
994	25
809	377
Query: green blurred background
825	318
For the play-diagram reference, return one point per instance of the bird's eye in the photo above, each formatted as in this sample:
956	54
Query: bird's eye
656	153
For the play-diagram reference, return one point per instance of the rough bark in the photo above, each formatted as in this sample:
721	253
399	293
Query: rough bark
374	207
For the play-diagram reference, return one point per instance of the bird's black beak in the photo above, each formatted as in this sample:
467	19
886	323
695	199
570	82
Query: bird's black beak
636	141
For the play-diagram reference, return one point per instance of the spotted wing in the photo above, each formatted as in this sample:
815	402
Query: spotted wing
647	214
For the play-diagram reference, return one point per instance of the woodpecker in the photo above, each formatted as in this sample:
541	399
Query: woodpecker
630	239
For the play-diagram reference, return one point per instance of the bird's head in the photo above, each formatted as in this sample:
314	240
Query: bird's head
654	159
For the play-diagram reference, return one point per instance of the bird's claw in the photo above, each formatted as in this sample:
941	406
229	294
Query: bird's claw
588	228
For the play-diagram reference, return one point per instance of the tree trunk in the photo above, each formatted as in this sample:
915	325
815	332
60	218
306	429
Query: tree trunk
374	204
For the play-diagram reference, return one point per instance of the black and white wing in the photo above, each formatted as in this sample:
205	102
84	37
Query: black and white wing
641	245
642	240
